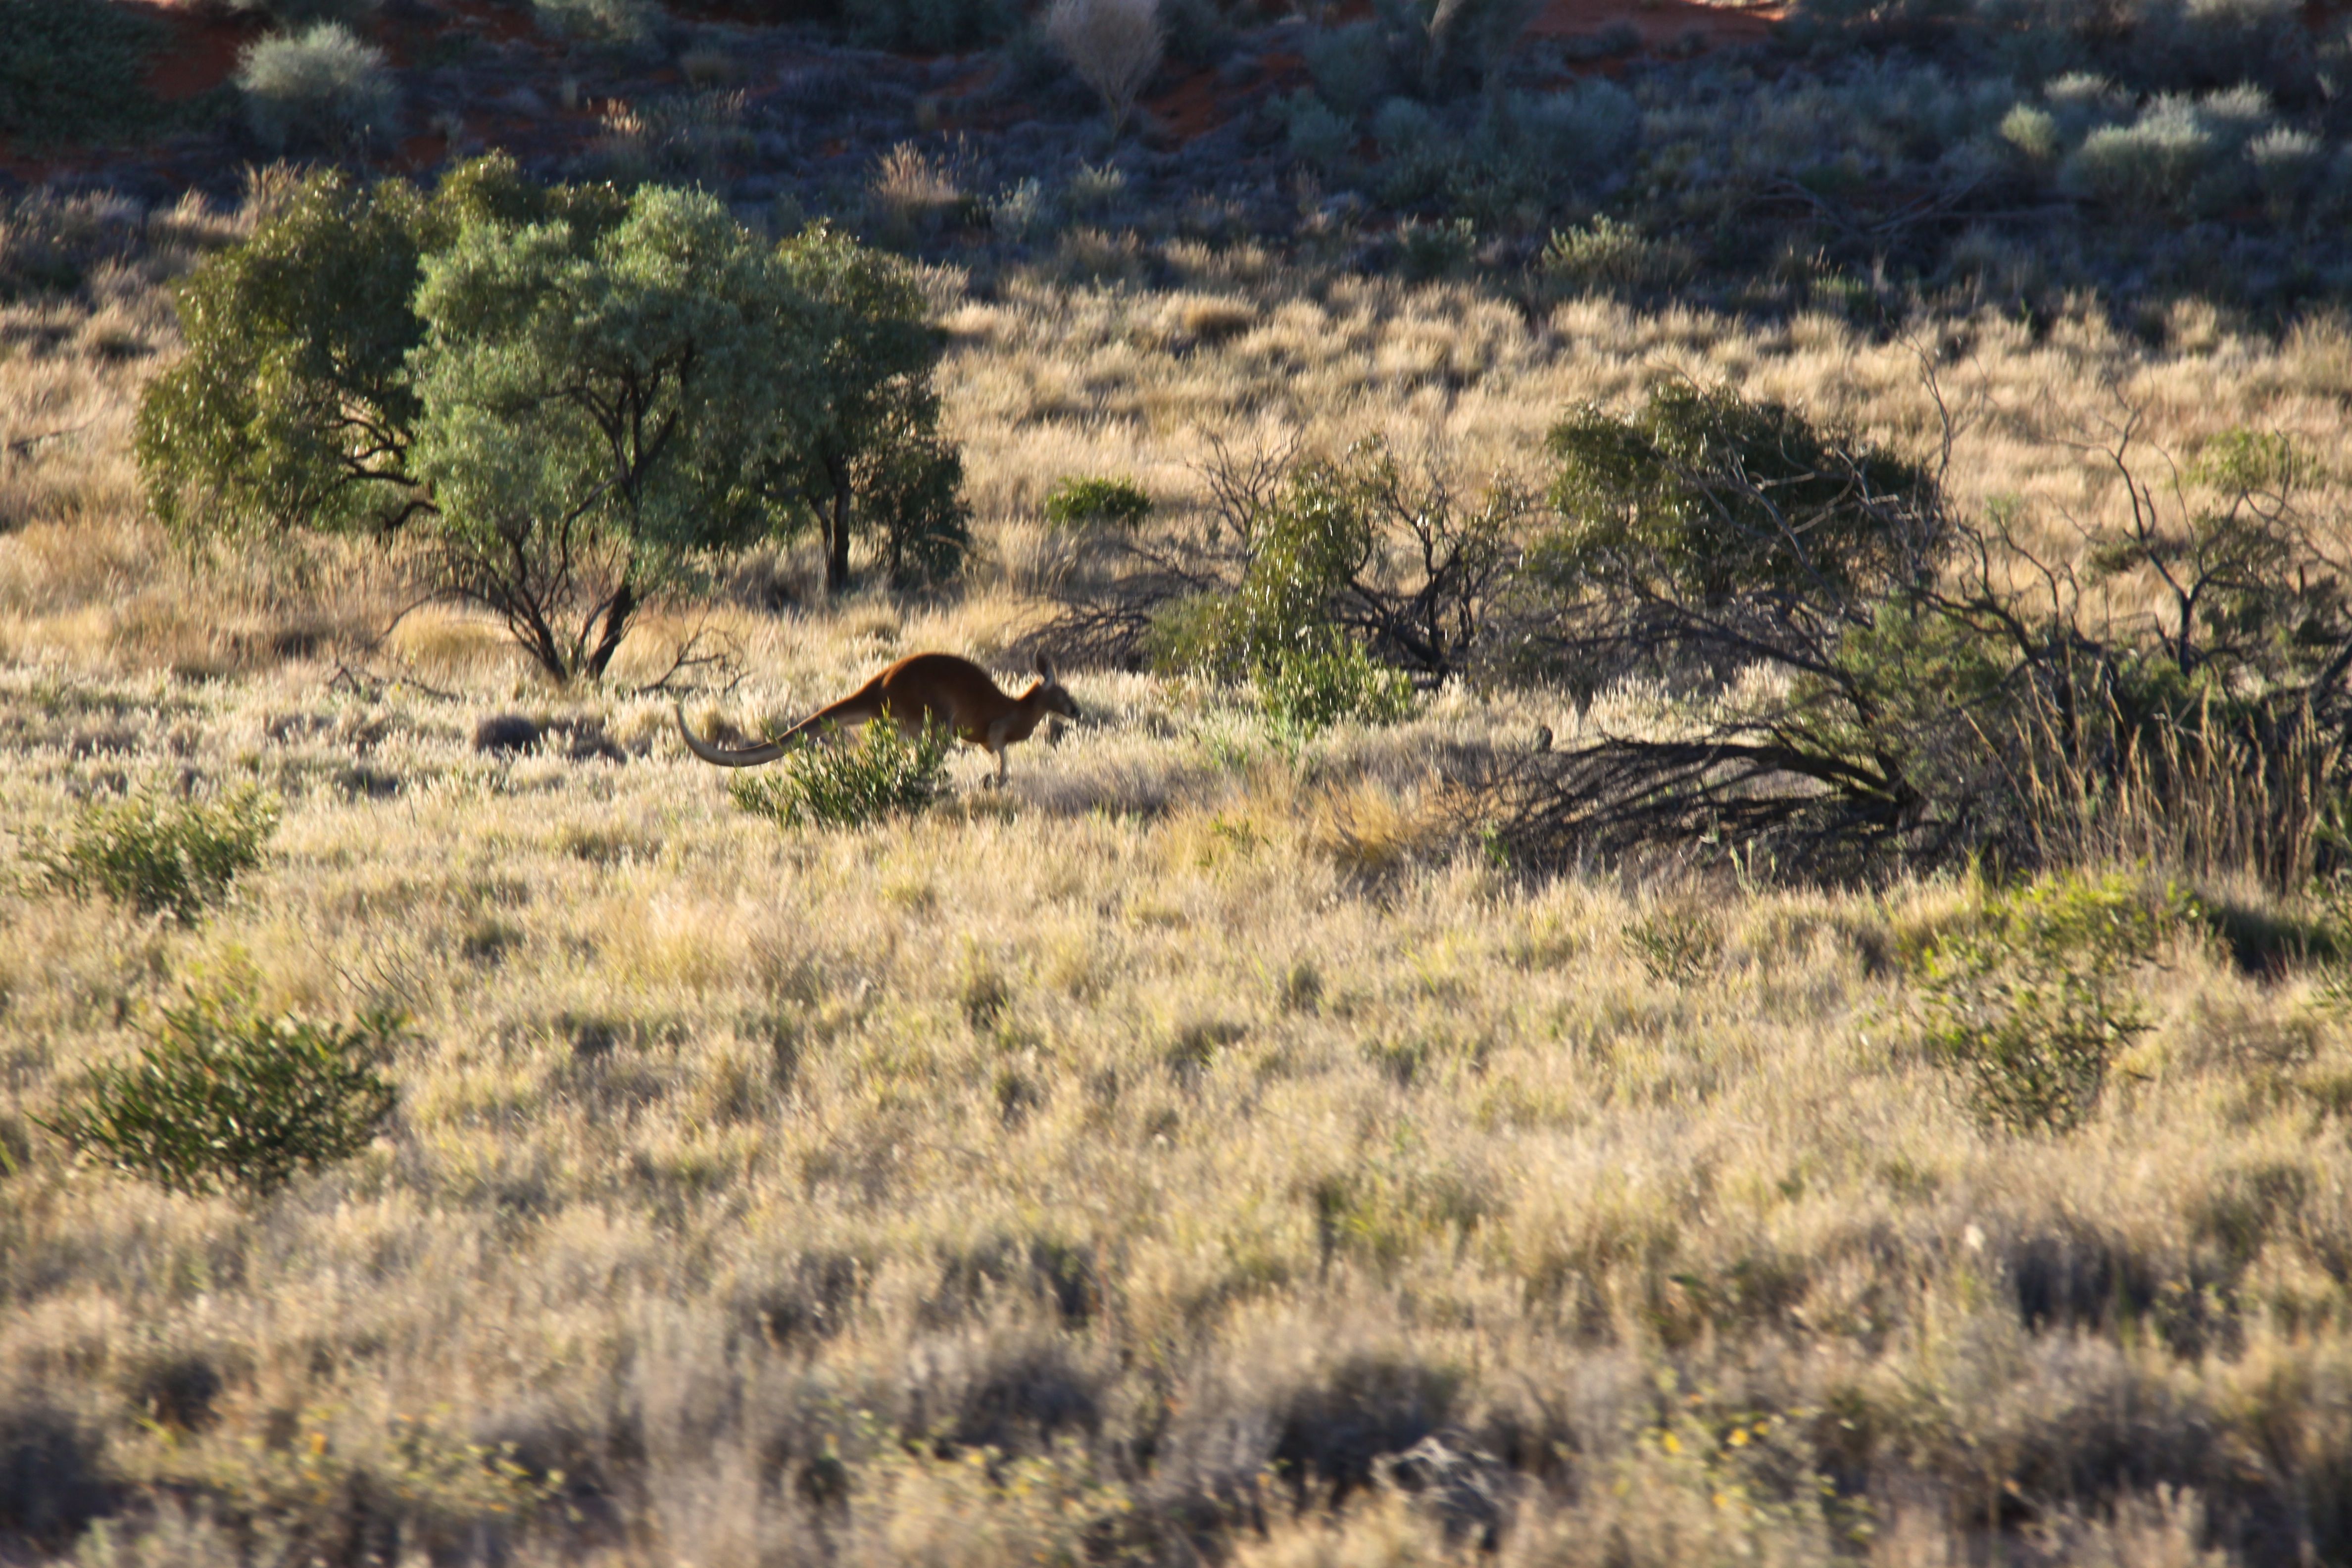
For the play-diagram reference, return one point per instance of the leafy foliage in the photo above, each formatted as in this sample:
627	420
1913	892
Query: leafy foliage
887	773
292	407
591	400
1860	675
227	1098
872	456
1079	502
1319	685
1706	499
1357	549
73	69
553	397
161	858
2028	1004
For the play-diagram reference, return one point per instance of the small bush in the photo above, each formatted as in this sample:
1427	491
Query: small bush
72	69
625	24
887	773
1312	689
1113	45
322	90
1607	254
227	1098
2150	164
687	139
1405	128
2029	1005
1075	503
2034	132
1583	133
2287	166
1318	137
1022	213
160	859
1350	67
1439	248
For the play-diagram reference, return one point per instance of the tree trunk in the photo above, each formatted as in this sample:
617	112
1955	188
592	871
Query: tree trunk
836	541
616	627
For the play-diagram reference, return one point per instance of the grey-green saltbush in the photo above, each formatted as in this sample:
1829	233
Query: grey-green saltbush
1405	127
1317	136
319	90
1437	248
1583	130
1607	254
1351	65
2034	132
2152	163
2287	165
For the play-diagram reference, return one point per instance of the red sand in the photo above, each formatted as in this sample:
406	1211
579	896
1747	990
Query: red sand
1660	22
203	52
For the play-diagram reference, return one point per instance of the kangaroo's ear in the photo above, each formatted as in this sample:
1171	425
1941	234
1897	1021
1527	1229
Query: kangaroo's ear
1045	670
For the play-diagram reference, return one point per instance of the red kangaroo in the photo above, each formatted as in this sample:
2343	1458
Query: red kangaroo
924	688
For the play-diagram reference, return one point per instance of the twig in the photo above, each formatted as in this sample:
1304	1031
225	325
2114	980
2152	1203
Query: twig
686	658
371	685
23	446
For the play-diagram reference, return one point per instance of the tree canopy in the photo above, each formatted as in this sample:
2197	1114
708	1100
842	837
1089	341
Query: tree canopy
553	397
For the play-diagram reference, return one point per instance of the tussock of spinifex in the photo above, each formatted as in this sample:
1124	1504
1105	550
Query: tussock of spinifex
1209	1147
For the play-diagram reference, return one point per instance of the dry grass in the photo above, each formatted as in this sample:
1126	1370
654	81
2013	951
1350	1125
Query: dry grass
1115	1168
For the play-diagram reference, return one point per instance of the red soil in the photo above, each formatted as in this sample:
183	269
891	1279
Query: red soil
1660	22
203	52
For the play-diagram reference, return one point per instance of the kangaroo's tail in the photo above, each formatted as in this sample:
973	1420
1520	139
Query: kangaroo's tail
767	751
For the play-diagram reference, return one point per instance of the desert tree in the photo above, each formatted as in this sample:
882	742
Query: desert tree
1113	45
546	401
590	408
869	456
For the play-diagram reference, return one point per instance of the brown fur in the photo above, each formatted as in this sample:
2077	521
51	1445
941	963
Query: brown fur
920	689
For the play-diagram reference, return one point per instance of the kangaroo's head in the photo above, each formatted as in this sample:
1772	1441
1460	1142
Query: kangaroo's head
1048	696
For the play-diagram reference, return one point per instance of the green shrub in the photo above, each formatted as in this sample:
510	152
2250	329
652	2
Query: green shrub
73	69
227	1098
1351	65
1607	254
2150	164
322	90
1311	688
2287	165
1318	137
1584	132
1076	503
1404	127
176	859
2034	132
887	771
1435	249
2029	1005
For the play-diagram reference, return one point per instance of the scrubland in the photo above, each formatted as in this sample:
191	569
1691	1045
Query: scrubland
1133	1164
